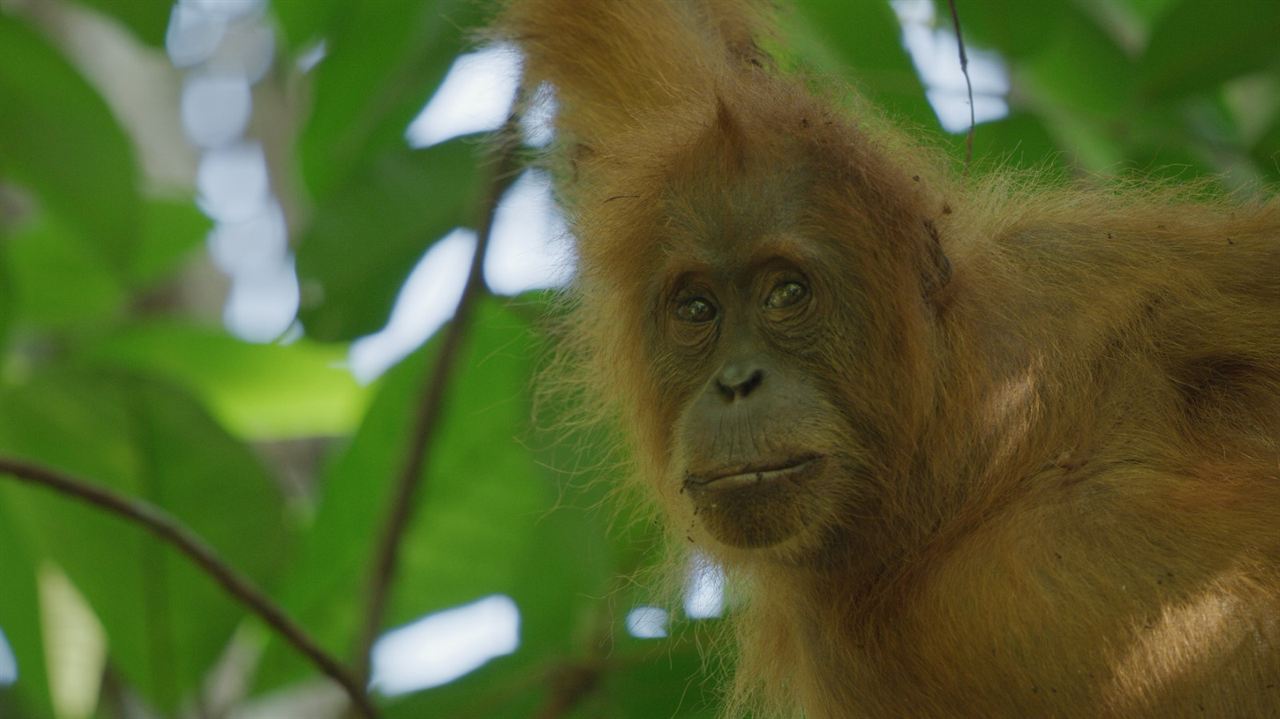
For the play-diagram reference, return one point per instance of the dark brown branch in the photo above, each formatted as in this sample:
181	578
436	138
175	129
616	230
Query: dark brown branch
964	68
427	414
166	528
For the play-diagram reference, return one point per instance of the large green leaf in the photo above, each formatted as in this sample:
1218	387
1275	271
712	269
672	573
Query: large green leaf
304	21
480	499
558	570
1149	10
666	678
166	621
1082	69
1179	142
259	391
629	678
1081	86
20	622
510	686
1266	151
7	309
1199	43
147	19
58	136
574	566
362	244
489	492
171	230
670	678
56	279
384	59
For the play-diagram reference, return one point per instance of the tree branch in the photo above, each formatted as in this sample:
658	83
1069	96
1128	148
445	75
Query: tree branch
427	414
964	68
166	528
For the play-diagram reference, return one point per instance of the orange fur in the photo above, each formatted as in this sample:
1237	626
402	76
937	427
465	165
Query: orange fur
1062	406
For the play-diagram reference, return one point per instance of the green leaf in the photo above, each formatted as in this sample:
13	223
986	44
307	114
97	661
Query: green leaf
58	136
872	58
7	300
384	60
510	686
1082	89
147	19
573	562
557	566
1150	10
362	244
1179	143
258	391
1082	71
668	679
476	525
1197	44
20	622
485	490
166	622
304	21
1266	151
171	229
635	679
58	281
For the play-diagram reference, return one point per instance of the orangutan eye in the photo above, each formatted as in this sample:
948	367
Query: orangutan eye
696	309
785	294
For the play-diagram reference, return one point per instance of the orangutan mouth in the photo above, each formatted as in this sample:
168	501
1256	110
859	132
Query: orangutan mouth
745	475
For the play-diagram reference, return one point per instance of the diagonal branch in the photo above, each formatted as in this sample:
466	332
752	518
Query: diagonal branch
427	415
166	528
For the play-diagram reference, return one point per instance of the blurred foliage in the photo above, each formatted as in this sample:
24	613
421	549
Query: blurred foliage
100	378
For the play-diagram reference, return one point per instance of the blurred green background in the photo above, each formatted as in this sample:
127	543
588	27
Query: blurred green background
228	229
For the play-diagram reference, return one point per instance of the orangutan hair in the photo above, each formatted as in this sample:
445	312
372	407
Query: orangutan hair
973	446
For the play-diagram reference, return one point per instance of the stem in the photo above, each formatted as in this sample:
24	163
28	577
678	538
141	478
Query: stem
964	68
166	528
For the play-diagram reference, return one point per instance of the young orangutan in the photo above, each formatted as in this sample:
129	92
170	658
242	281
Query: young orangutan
973	448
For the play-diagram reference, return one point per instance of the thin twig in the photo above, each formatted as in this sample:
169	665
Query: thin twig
162	525
964	68
427	414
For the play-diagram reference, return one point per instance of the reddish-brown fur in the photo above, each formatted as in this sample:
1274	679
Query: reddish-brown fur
1059	408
